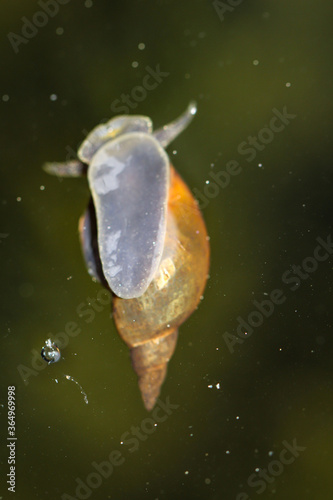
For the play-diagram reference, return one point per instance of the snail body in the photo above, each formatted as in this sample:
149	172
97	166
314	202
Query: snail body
143	237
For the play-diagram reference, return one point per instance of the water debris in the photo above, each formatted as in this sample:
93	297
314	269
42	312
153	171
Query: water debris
85	397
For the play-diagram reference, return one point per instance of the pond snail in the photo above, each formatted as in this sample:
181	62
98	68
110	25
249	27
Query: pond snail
143	237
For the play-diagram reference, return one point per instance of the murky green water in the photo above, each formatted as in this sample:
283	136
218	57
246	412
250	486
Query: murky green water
251	415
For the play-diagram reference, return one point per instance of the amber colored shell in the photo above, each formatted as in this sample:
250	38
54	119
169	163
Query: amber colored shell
149	324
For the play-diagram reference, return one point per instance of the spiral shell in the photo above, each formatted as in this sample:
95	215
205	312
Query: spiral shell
149	324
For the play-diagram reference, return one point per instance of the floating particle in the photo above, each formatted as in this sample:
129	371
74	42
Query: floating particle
68	377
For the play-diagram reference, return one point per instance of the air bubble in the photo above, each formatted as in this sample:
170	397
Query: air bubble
50	352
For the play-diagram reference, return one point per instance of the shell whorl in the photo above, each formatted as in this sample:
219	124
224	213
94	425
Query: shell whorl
150	361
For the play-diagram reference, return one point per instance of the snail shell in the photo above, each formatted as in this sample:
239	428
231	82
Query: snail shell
149	324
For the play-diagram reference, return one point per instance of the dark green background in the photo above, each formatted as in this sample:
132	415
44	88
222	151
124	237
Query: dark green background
279	381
